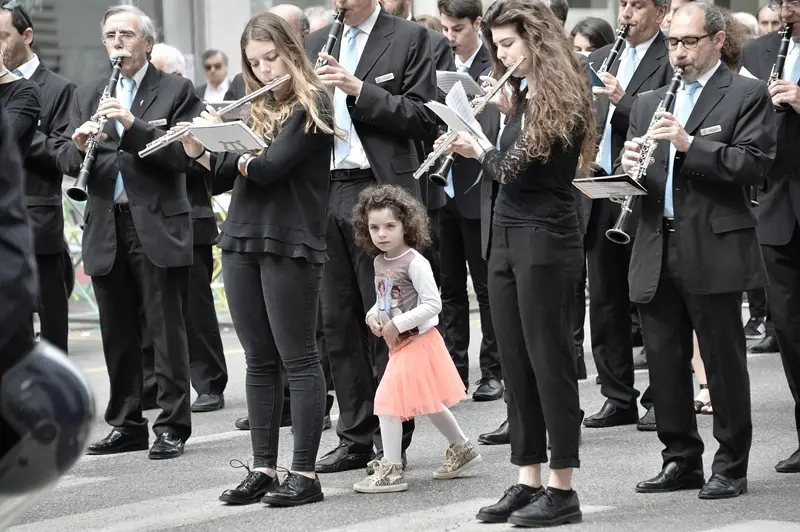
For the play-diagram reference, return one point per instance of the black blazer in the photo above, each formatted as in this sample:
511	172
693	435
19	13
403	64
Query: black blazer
21	101
716	235
466	171
653	71
204	223
390	116
779	192
18	283
433	196
201	90
42	174
156	185
236	89
285	195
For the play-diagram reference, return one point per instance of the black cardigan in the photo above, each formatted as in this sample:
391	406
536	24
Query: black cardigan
281	207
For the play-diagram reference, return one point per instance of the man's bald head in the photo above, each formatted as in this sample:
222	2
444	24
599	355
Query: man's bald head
294	16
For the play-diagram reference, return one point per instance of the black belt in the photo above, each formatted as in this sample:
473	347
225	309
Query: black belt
351	174
122	207
669	224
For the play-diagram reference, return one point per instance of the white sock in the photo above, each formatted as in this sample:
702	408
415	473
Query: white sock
445	422
392	436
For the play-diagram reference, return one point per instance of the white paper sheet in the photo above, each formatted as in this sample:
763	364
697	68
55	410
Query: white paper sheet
746	73
445	80
228	136
455	123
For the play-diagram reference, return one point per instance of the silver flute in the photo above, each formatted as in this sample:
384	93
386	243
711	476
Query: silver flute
165	140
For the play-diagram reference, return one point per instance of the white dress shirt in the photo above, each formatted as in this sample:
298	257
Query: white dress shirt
137	82
27	69
792	56
216	94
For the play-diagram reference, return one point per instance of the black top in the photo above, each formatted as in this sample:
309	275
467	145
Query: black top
533	192
281	207
21	103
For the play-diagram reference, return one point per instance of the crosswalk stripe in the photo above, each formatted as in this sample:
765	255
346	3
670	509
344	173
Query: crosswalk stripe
759	526
72	481
162	513
458	516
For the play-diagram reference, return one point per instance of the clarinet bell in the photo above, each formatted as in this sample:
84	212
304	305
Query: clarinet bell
438	179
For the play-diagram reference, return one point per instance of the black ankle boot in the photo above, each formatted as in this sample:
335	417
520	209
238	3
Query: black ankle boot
516	497
295	490
252	488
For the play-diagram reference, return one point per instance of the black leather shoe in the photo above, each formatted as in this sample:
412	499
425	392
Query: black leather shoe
580	362
489	389
790	465
252	488
341	459
497	437
551	508
722	487
611	416
673	477
640	360
768	345
117	442
515	498
295	490
167	446
647	423
379	456
243	423
208	402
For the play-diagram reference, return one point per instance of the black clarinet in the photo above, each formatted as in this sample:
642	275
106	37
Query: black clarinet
622	33
78	192
333	36
777	68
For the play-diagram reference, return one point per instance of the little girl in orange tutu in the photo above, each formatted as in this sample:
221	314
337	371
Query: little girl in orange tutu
420	378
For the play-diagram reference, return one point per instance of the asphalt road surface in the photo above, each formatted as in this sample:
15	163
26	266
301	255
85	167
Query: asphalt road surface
129	493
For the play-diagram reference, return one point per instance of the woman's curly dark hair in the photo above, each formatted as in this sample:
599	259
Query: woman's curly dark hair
408	211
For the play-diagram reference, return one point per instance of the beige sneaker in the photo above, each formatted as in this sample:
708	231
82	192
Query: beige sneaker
387	478
458	458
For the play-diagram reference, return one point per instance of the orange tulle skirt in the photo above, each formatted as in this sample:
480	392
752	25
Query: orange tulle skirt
419	379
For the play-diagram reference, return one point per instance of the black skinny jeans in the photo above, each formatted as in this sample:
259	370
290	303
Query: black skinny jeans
532	278
274	302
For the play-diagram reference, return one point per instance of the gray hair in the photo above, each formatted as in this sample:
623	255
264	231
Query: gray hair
748	20
714	18
175	62
319	12
146	23
662	3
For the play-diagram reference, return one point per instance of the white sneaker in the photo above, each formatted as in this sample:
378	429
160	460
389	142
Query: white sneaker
387	478
458	458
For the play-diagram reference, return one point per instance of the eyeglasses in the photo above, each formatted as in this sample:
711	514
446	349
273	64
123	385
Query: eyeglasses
776	6
124	36
213	66
690	43
14	4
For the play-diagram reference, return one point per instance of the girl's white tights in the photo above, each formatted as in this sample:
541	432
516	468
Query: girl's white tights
392	432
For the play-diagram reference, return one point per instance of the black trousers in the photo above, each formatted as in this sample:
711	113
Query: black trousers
274	305
717	320
532	278
579	311
209	371
460	246
53	300
357	360
134	283
432	252
610	310
783	294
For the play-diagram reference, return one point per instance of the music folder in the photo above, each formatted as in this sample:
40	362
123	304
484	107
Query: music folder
228	136
609	186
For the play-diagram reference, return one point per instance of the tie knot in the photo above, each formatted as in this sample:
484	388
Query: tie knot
17	73
463	68
690	88
127	84
352	33
632	52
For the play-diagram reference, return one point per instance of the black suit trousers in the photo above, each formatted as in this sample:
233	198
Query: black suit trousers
610	308
134	283
460	246
358	359
783	295
53	300
532	278
208	369
716	318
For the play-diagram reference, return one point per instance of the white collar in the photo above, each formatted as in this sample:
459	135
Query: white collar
27	69
706	76
368	24
468	62
139	76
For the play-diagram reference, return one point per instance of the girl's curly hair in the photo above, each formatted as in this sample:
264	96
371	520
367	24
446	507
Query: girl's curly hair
408	211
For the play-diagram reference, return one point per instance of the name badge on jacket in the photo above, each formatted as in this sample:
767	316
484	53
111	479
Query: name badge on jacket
384	78
709	130
158	123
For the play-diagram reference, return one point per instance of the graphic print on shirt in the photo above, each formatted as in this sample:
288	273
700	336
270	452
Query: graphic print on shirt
394	291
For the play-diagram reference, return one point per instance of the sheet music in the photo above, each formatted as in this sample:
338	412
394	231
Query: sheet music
594	77
445	80
609	186
746	73
228	136
457	101
455	123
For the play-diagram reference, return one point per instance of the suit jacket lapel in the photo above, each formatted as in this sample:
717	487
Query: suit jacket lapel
713	92
649	64
39	76
379	40
482	62
147	92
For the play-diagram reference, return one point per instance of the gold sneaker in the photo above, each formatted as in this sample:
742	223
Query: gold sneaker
387	478
458	458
